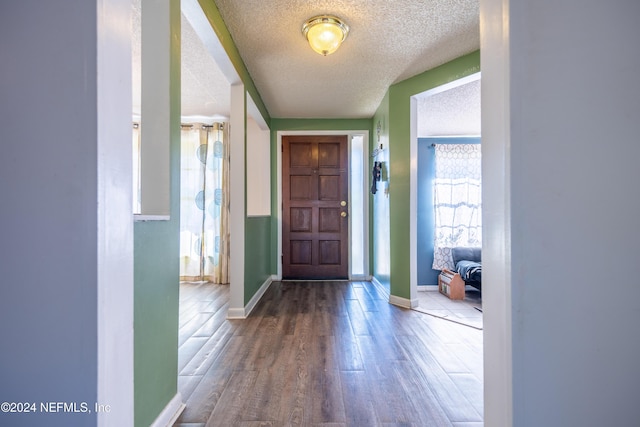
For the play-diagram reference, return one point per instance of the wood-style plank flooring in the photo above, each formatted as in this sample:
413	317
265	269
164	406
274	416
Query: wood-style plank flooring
328	354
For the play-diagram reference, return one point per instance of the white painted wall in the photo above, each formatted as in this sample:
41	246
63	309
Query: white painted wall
237	206
496	213
115	228
560	111
155	129
258	170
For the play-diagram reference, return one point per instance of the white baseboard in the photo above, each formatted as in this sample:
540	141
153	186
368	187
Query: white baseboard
256	297
170	413
404	302
380	286
400	302
236	313
427	288
242	313
360	278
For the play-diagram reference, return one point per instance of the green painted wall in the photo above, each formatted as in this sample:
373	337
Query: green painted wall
399	159
258	249
156	296
319	124
282	124
156	278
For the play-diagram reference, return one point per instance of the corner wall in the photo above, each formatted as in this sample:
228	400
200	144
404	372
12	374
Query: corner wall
399	128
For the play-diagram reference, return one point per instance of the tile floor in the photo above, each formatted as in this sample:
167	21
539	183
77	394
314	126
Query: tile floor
464	311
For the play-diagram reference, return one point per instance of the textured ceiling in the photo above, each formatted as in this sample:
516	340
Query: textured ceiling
454	112
205	90
389	41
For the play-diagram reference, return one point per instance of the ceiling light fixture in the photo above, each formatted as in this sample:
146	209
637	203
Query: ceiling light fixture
325	33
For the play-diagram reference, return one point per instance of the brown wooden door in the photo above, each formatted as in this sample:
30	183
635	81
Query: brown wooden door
315	210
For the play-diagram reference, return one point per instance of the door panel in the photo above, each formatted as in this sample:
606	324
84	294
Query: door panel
301	219
315	223
328	187
300	187
329	220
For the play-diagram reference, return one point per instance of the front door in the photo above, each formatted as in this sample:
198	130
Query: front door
314	210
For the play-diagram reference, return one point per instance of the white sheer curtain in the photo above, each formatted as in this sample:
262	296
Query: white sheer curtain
204	204
457	200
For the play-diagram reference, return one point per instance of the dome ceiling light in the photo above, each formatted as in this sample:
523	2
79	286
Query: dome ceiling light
325	33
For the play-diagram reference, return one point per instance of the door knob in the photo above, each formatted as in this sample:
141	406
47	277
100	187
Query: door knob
343	214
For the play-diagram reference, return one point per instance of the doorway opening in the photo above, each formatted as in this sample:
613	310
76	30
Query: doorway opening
443	114
445	125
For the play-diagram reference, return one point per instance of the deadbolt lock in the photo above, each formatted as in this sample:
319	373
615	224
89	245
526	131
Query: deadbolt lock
343	203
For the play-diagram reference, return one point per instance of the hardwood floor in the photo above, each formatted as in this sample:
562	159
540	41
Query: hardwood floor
324	354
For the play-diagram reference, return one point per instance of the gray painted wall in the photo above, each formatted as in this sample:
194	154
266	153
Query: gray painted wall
575	208
570	161
48	221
